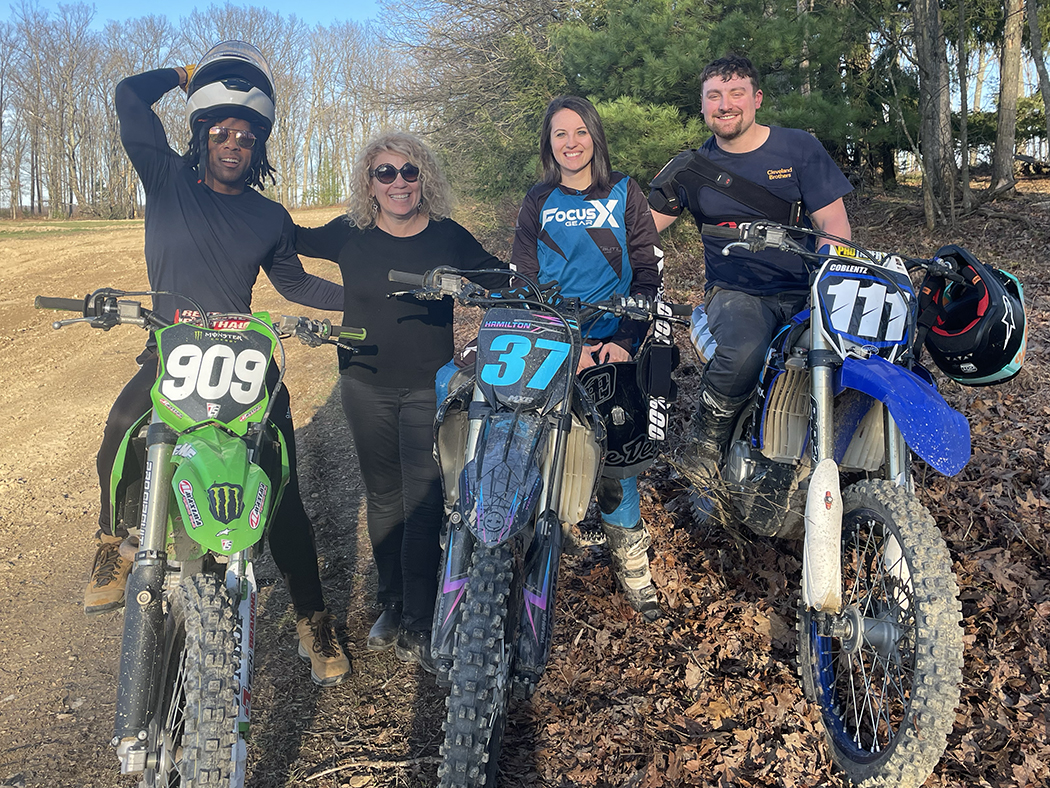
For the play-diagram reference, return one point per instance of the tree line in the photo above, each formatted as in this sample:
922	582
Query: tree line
877	81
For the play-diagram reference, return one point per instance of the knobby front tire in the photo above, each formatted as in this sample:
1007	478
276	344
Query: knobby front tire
481	669
887	699
194	728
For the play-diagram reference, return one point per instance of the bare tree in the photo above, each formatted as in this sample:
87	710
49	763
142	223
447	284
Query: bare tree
1035	41
938	157
1009	87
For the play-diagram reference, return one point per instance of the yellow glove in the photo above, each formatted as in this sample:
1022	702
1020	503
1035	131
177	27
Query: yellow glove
189	68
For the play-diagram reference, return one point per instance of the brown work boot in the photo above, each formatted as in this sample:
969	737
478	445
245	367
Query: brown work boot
318	644
109	576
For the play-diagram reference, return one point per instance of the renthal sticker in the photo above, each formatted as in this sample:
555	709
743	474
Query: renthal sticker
247	415
172	408
256	512
193	316
186	490
184	450
226	502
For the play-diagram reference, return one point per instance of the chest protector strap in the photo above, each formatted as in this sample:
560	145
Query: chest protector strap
682	178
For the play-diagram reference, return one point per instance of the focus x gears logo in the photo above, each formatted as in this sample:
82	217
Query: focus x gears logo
598	214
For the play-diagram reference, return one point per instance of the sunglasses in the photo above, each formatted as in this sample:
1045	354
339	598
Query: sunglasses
243	139
387	173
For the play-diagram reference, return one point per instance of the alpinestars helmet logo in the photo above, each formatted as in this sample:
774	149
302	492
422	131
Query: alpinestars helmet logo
226	502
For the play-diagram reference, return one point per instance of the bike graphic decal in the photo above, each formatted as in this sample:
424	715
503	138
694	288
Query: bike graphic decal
450	584
538	599
226	502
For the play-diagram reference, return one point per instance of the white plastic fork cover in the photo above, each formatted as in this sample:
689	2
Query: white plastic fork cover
822	550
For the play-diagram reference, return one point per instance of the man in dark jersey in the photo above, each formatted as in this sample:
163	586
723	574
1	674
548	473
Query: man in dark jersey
208	233
747	295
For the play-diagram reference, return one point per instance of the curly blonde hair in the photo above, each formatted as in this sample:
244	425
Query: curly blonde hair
436	199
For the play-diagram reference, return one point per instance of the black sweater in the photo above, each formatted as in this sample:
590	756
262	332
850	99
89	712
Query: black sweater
408	339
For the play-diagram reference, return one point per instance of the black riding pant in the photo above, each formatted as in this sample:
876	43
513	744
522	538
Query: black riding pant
291	534
393	430
743	326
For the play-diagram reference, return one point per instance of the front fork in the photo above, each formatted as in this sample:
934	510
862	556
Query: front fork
821	553
141	645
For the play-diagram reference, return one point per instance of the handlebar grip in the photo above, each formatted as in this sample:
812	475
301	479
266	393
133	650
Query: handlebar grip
405	278
65	304
718	231
349	332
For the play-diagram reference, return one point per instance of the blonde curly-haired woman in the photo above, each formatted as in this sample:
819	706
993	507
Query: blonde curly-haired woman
397	218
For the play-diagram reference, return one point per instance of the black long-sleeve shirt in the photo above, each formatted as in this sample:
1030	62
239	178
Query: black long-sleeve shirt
408	339
201	243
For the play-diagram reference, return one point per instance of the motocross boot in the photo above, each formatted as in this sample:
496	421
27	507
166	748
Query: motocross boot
319	645
712	424
628	548
109	576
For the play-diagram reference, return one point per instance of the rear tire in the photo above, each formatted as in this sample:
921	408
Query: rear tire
887	698
481	670
193	733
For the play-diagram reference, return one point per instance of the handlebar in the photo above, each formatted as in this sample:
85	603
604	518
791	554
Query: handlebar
106	308
760	234
443	281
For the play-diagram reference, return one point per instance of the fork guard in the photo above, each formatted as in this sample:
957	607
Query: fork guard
934	430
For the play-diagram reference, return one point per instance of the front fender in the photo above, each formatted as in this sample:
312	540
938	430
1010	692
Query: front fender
934	430
500	487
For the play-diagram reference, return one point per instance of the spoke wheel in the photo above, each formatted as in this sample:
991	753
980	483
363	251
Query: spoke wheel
193	734
886	671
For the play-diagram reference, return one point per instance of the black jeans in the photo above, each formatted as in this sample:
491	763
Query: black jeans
291	534
393	431
743	326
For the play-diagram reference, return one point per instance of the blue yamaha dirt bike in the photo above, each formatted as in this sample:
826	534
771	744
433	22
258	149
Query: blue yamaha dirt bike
200	478
824	451
520	445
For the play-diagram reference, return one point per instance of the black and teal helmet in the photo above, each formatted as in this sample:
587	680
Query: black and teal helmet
980	332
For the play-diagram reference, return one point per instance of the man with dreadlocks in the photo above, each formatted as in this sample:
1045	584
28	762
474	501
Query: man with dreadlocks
208	233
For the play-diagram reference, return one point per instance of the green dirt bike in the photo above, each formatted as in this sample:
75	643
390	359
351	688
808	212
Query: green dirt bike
199	477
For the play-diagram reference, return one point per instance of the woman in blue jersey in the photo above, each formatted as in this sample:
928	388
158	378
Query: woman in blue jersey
589	228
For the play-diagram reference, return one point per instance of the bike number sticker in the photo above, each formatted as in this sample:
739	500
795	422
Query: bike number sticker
214	373
509	366
867	306
867	310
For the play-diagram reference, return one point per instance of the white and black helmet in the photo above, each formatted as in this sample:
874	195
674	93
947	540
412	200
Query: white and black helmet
232	80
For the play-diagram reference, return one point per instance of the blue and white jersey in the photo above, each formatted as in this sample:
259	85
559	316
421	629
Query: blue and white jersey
595	245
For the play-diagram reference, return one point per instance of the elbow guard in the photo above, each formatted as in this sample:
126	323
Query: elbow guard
666	194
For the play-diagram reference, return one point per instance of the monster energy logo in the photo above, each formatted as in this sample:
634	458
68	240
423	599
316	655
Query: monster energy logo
226	502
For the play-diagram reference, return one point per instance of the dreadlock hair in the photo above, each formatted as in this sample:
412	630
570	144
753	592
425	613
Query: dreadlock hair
258	170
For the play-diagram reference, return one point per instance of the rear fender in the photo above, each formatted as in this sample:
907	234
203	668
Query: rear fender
934	430
500	486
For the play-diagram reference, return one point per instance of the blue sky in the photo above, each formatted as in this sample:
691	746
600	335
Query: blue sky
311	11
